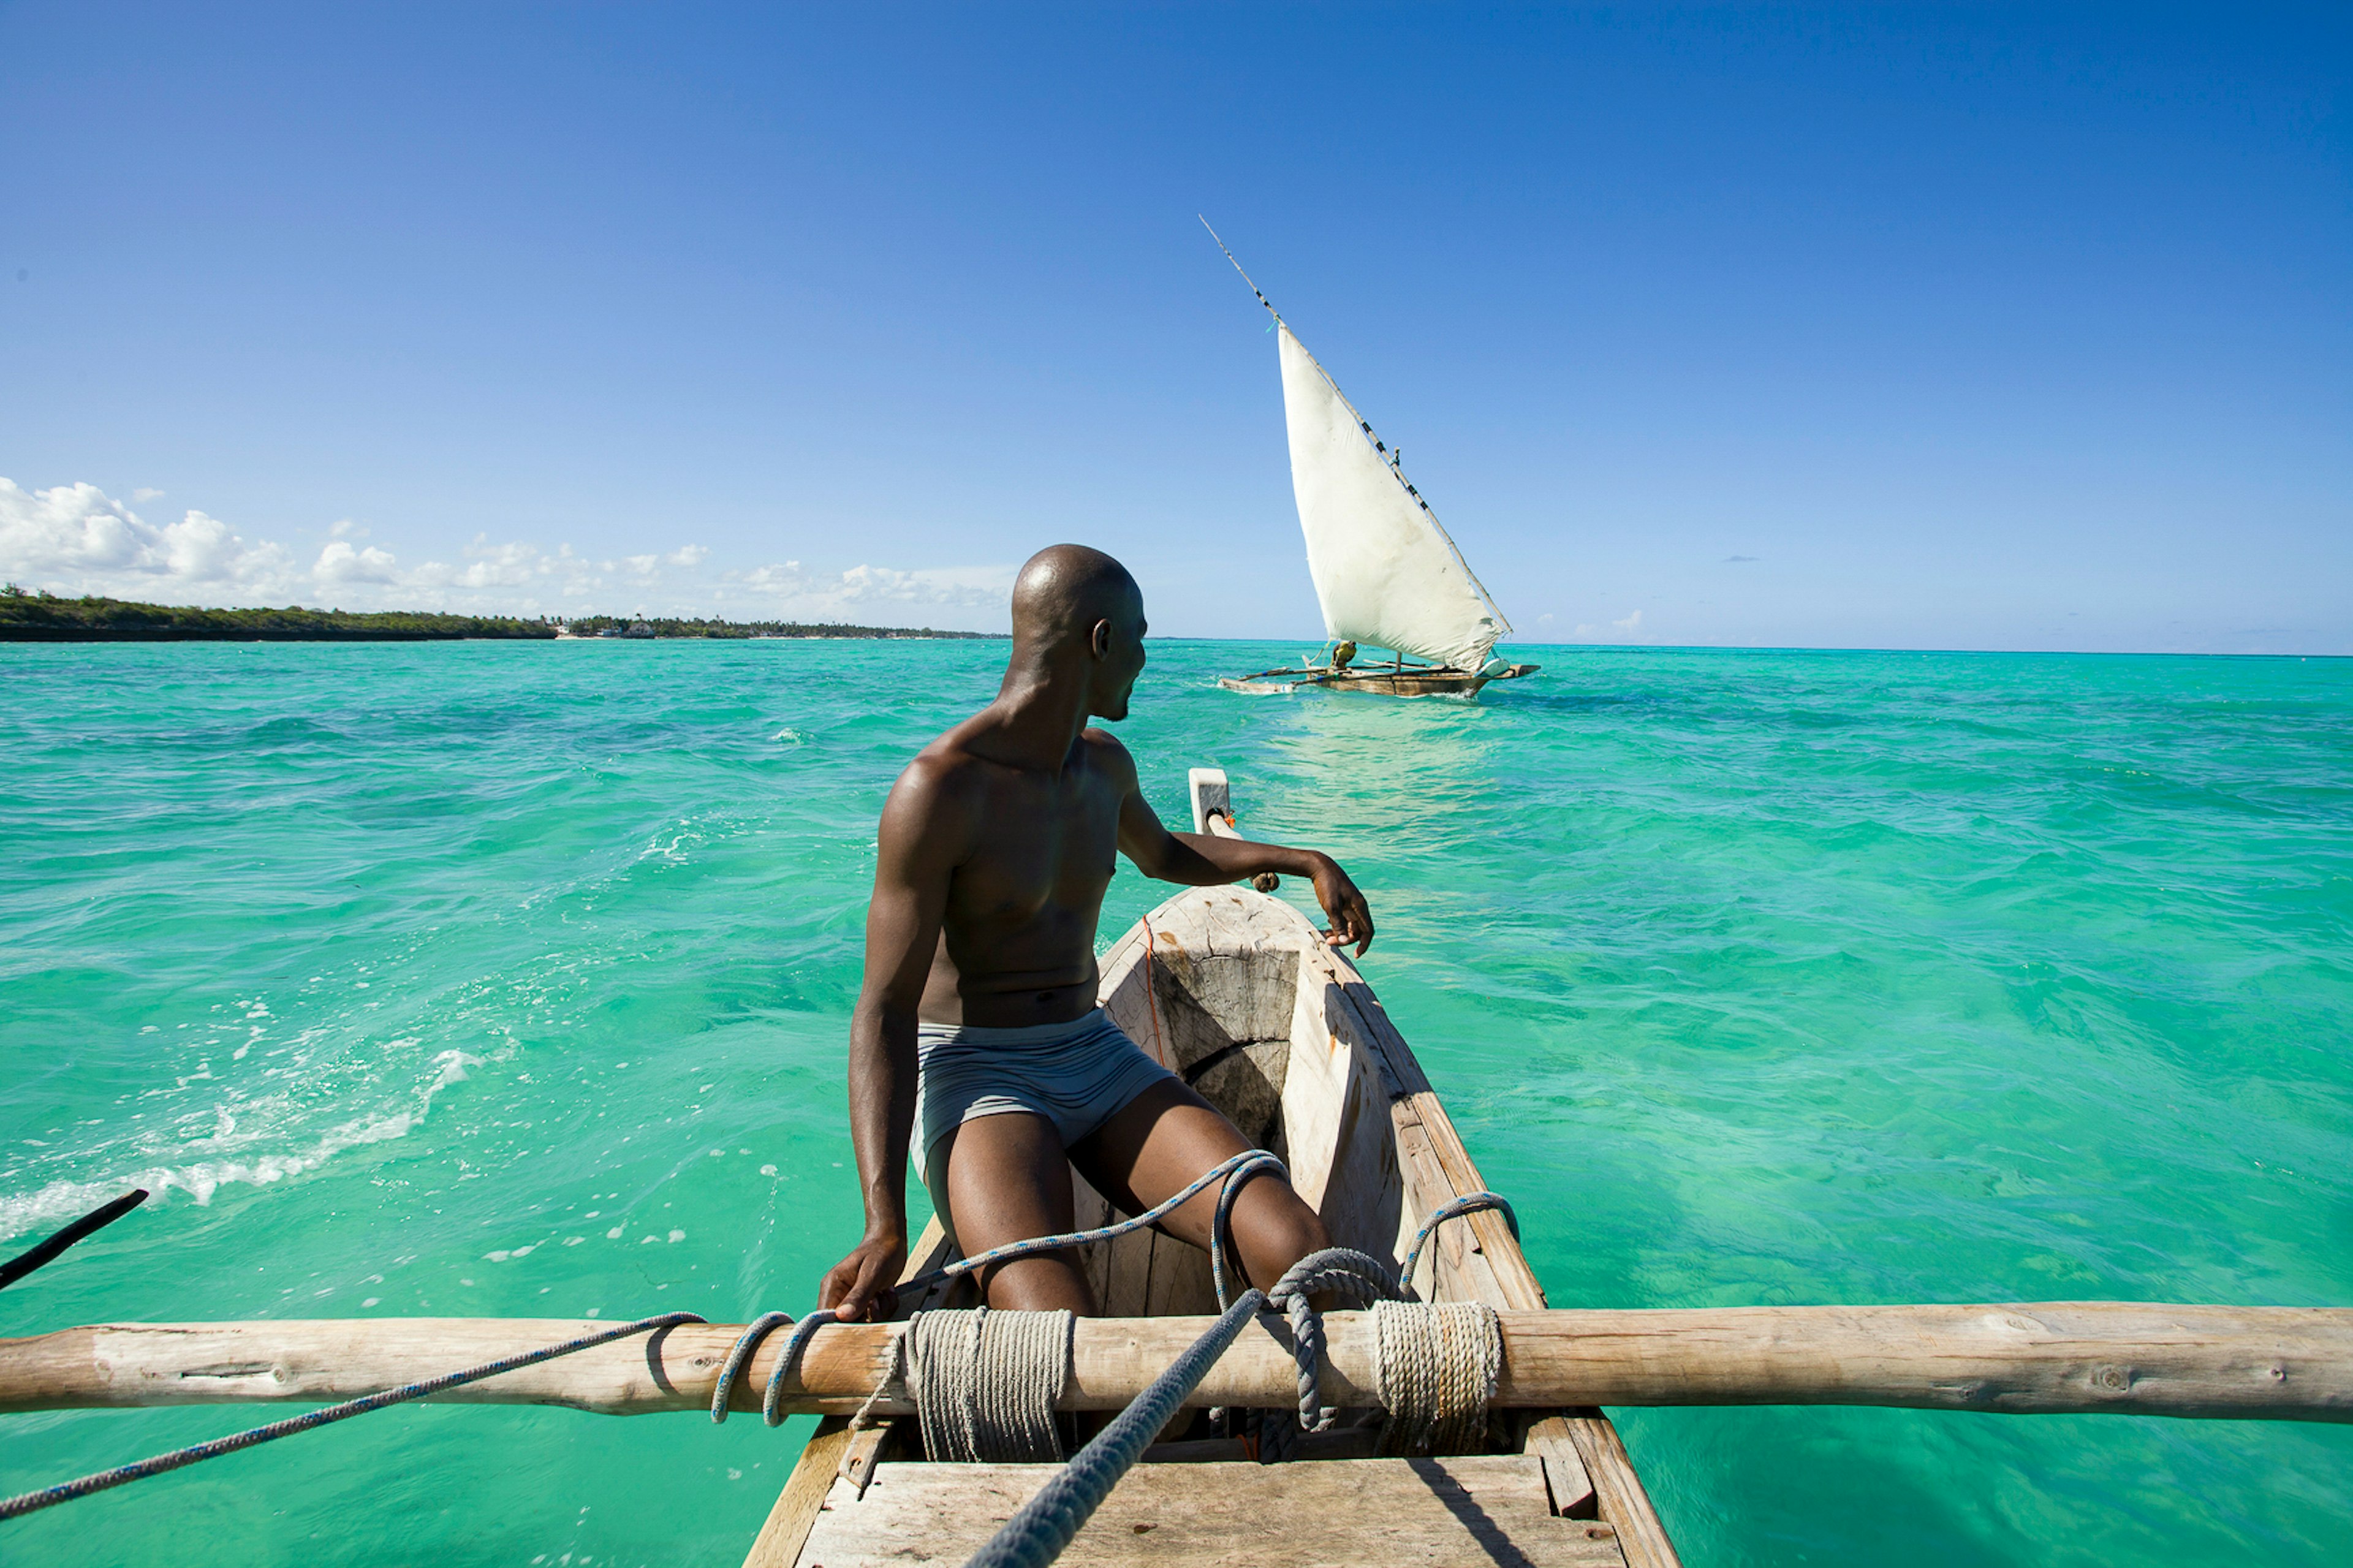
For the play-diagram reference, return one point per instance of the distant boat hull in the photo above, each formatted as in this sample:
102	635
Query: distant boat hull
1408	682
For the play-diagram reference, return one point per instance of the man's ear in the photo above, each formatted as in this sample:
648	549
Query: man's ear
1099	639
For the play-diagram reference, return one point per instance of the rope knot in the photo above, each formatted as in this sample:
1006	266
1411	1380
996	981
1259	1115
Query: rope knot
1354	1279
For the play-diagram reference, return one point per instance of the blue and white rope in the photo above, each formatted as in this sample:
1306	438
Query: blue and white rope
1469	1202
1039	1530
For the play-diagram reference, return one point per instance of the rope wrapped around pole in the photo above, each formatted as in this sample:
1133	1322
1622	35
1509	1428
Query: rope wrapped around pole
1436	1365
985	1383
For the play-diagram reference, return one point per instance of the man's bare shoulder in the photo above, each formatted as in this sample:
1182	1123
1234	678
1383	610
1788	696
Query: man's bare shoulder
942	786
947	767
1107	753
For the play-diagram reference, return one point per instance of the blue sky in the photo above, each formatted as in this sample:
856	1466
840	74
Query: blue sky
1905	326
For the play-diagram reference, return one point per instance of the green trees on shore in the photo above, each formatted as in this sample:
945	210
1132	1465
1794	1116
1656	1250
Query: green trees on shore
28	615
40	617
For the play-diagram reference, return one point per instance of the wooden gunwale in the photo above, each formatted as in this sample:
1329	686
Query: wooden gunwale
1501	1278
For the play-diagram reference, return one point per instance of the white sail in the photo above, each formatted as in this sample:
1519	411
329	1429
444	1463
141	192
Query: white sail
1387	573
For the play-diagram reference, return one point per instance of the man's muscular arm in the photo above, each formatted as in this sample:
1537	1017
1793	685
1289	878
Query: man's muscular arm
925	833
1204	860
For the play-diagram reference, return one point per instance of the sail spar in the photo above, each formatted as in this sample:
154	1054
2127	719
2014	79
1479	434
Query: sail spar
1386	572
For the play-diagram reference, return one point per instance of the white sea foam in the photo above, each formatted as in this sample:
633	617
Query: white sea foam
201	1178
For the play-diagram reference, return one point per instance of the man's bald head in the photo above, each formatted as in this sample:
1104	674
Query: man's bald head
1078	627
1065	590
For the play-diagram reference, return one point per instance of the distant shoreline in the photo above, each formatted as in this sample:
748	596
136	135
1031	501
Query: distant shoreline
41	618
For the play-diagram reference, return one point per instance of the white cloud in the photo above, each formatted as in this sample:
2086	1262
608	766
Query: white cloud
1630	625
971	586
787	578
340	564
75	539
81	535
488	566
867	590
142	495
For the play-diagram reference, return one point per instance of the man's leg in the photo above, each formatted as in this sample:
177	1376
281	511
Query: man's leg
1159	1142
1009	1180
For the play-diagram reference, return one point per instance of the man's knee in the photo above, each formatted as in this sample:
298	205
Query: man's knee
1283	1234
1052	1282
1306	1232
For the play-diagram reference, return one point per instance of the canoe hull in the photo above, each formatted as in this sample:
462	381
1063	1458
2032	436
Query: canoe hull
1238	993
1375	683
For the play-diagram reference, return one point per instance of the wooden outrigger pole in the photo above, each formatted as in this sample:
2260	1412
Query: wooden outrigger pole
2039	1358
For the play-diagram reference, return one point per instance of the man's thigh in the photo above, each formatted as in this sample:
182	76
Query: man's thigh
1006	1178
1160	1143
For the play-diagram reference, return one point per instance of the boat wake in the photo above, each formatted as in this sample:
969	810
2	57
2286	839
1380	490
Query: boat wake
201	1178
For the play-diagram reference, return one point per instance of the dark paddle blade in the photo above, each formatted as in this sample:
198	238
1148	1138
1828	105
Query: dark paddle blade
24	1263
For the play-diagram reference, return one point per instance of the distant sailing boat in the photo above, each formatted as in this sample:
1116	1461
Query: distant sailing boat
1386	574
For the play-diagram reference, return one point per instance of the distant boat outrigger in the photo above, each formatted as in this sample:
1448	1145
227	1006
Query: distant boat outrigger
1387	573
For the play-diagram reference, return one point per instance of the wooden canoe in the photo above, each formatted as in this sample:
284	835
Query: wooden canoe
1407	680
1236	992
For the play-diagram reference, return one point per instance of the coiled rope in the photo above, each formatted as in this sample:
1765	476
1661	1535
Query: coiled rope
1358	1280
1354	1278
1435	1365
986	1382
48	1497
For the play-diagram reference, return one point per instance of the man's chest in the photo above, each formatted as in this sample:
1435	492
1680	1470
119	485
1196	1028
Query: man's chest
1039	844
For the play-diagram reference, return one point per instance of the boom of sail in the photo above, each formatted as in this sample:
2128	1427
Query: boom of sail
1388	576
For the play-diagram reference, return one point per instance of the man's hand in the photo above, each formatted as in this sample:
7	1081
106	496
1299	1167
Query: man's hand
1351	920
858	1288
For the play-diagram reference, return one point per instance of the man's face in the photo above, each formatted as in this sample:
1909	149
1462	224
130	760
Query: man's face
1122	661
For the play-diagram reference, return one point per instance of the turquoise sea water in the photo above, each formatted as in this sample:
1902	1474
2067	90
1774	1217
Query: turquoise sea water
495	979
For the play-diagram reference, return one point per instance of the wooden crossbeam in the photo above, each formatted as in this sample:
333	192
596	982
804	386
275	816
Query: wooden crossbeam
2259	1362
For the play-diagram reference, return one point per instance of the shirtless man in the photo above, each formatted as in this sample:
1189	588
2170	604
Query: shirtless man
977	1046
